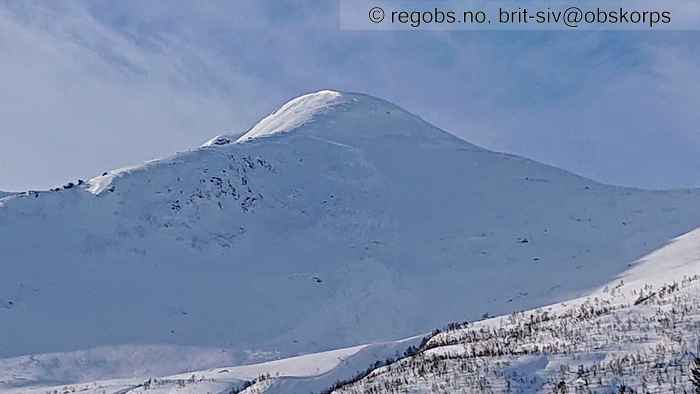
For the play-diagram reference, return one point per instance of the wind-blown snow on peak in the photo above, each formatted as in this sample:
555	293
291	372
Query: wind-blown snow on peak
291	115
296	113
332	114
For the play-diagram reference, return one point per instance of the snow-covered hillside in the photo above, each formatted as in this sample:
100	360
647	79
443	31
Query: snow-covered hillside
638	335
638	332
338	220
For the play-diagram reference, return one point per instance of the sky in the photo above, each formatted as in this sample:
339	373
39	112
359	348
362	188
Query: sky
88	86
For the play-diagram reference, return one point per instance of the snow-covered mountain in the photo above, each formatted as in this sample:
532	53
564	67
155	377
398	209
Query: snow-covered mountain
338	220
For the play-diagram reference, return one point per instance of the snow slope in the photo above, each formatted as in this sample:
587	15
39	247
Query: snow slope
302	374
639	333
600	341
338	220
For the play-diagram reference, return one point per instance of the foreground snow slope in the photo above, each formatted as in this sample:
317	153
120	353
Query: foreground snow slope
340	219
639	335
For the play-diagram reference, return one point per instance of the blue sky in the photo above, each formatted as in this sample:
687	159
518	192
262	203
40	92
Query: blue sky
93	85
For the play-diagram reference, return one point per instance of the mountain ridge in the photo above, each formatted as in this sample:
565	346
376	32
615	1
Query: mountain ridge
350	227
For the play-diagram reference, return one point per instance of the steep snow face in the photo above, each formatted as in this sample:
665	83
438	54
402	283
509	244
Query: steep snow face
360	223
290	116
296	113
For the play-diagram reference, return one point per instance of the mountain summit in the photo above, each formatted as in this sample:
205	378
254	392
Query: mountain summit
338	219
325	114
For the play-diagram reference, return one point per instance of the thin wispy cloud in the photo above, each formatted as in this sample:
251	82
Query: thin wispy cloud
93	85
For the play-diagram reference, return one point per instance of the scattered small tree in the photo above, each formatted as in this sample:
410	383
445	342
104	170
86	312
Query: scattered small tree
695	374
